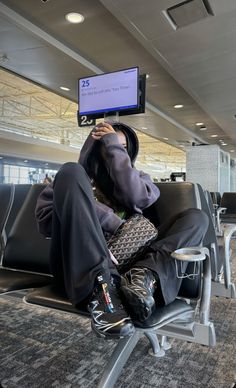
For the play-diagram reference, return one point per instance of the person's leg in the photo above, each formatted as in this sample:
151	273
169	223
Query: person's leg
79	255
77	237
154	275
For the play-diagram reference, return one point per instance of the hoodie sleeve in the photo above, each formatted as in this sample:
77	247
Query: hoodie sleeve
109	221
133	188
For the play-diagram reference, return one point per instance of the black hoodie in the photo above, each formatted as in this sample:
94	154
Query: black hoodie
131	189
125	187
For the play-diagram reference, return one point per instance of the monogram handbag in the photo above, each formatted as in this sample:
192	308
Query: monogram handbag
131	240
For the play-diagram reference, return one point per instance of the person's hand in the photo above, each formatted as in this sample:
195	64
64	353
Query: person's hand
101	130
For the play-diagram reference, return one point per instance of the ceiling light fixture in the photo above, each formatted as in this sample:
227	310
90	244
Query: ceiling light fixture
147	76
232	151
203	128
74	17
64	88
25	161
214	135
178	106
224	144
199	124
165	138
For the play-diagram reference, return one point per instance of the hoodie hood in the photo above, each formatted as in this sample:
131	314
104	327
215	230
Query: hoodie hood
131	138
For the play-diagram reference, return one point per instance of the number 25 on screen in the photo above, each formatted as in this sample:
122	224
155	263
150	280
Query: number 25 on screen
85	83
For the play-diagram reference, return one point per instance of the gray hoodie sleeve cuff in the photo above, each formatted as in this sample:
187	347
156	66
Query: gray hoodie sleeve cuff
110	138
109	221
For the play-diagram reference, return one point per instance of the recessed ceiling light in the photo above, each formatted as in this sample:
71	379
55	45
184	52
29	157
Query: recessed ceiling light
147	76
165	138
214	135
203	128
224	144
232	151
178	106
144	128
25	161
199	124
64	88
74	17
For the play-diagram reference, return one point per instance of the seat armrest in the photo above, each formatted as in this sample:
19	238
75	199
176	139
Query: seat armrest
186	255
197	254
219	211
189	254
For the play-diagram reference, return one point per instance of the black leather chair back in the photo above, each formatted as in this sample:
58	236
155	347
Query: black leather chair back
228	200
210	239
20	194
211	206
6	200
216	197
26	249
176	197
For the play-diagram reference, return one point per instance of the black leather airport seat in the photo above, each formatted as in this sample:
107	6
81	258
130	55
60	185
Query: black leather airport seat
25	262
221	254
228	201
178	319
6	200
210	239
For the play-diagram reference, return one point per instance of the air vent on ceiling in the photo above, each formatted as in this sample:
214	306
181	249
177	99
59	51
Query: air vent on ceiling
188	12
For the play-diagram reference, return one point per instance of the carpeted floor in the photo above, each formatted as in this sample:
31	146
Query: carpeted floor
45	348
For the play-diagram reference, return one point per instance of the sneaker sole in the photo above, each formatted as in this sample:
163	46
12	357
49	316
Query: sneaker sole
139	308
100	334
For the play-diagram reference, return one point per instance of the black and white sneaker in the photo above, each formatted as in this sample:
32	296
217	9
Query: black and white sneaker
109	319
138	293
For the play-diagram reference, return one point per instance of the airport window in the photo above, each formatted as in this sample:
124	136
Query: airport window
21	174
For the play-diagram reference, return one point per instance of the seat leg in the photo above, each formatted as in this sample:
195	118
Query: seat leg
118	359
155	351
165	344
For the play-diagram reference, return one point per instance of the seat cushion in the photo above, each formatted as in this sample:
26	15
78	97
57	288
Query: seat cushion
166	314
54	297
16	280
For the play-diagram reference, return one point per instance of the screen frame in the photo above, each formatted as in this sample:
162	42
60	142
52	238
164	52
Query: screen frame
102	112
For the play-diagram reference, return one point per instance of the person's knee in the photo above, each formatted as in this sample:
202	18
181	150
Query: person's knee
70	171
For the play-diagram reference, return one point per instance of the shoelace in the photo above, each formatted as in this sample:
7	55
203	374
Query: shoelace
136	279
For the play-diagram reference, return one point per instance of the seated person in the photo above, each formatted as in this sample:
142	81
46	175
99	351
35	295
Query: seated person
77	223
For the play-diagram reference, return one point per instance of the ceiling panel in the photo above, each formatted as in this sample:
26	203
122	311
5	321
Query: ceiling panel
198	56
114	36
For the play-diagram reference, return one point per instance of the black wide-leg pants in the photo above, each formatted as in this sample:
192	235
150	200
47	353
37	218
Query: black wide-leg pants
78	247
186	229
